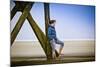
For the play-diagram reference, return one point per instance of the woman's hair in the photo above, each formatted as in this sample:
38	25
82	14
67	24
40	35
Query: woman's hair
52	21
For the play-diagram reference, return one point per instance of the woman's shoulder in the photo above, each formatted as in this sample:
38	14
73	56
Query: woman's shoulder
52	28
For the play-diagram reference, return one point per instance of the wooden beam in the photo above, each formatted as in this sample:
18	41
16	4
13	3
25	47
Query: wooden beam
47	19
19	6
47	16
13	12
41	37
38	32
20	22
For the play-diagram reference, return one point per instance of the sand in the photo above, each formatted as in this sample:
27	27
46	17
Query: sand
71	48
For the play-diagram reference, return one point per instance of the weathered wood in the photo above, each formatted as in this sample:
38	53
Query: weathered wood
19	6
47	19
47	16
41	37
13	12
20	22
25	9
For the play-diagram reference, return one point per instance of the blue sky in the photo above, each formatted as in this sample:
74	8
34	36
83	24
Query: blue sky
73	21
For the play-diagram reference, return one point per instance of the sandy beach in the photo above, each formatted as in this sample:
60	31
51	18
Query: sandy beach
71	48
31	53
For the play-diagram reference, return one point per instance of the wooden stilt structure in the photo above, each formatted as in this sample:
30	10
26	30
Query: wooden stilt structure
25	8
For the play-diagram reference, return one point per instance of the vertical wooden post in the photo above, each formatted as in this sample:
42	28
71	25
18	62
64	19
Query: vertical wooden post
47	19
25	8
47	16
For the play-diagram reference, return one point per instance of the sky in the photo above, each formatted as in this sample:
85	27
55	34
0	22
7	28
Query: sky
73	22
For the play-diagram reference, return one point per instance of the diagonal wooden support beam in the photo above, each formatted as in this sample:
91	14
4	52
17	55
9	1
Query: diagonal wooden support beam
41	37
38	32
19	6
13	12
20	22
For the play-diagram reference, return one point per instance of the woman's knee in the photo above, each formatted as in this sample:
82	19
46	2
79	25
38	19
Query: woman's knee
62	44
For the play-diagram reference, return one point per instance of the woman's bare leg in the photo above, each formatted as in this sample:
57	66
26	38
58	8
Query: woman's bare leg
61	46
60	50
54	55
